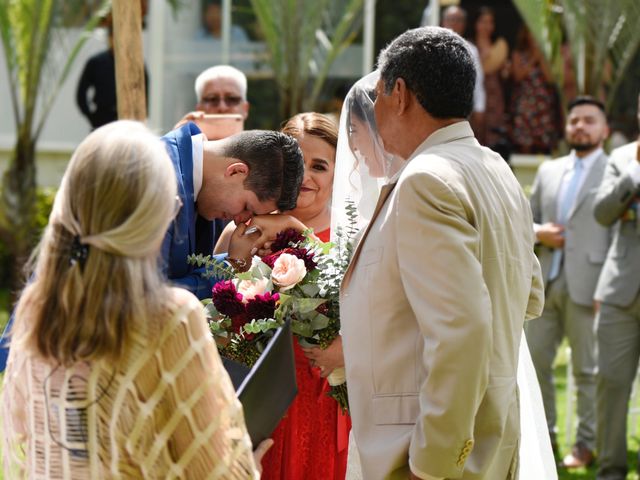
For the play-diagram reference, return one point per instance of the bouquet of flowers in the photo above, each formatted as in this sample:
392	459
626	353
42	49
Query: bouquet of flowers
300	281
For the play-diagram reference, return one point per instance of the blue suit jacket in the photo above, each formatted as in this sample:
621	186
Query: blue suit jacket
187	234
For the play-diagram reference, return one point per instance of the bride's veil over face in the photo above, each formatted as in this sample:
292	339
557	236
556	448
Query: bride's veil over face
362	164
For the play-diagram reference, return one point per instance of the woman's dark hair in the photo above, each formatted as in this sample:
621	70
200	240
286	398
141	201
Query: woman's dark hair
314	124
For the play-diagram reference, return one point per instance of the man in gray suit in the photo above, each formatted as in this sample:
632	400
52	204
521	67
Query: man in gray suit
618	324
572	248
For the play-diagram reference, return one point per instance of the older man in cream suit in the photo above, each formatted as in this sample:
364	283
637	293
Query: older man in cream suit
572	249
431	356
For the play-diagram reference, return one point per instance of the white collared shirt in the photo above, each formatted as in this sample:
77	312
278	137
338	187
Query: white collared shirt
587	163
197	152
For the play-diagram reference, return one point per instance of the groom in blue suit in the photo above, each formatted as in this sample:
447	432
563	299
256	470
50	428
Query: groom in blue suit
250	173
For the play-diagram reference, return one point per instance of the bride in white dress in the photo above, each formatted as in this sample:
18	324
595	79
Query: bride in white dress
362	167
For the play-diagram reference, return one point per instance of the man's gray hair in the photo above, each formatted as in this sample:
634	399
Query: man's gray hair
437	67
221	71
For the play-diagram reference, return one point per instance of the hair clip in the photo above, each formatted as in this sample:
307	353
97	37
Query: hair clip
79	252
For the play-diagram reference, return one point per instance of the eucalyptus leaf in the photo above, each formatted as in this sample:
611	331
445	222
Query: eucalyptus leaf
304	305
320	321
301	328
310	289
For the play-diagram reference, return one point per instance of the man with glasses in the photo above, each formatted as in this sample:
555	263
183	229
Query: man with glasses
222	89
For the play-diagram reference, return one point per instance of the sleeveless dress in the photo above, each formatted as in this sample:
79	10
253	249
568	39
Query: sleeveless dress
310	442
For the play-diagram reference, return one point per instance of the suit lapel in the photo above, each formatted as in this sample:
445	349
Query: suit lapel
554	187
384	194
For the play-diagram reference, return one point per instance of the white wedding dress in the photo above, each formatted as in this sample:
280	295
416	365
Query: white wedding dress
358	178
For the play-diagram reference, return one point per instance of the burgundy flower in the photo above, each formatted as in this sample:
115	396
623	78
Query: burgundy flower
237	321
262	306
285	238
323	309
304	254
271	259
226	299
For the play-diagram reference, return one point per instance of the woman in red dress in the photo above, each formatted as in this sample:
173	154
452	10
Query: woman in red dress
311	441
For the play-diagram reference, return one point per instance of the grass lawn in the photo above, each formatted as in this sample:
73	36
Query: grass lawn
633	442
561	383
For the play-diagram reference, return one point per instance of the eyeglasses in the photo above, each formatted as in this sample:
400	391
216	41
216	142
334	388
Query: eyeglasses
229	100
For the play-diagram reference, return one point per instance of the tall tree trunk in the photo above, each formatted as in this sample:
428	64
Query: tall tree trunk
127	35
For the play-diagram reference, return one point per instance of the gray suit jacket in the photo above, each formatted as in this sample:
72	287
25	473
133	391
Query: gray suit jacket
433	305
586	241
619	281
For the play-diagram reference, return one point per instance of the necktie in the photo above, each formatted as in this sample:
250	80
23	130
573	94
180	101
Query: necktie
566	202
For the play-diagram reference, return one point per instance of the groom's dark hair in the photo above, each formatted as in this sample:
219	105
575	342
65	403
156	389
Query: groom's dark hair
437	67
276	166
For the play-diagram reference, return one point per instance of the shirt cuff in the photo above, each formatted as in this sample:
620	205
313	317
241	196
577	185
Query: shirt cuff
422	475
634	172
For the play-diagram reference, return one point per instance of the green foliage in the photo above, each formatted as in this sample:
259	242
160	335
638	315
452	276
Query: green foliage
602	35
304	37
44	202
213	268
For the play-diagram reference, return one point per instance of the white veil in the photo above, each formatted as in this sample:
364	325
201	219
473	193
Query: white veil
362	165
362	168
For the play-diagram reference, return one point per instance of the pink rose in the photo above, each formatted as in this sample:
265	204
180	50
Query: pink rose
250	288
288	271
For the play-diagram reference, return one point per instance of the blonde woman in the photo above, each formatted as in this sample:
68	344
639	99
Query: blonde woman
112	373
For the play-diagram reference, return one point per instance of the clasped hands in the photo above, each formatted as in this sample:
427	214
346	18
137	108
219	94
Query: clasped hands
247	241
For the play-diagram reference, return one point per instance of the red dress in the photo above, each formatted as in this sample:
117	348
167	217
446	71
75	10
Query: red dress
310	442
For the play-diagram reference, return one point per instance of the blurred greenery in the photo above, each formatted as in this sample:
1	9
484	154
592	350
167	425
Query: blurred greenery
633	442
44	202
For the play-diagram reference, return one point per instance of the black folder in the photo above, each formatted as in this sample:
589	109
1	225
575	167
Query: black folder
268	388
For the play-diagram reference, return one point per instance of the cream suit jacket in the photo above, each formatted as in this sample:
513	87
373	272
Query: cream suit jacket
432	310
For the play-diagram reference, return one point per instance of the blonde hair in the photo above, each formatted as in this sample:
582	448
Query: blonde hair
115	202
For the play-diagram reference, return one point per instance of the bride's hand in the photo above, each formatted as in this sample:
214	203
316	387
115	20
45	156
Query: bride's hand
243	245
270	225
328	359
259	452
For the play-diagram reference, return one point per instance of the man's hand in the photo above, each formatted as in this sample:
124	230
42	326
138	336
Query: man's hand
551	235
328	359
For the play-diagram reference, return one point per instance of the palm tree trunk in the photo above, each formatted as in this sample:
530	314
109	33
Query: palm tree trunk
18	202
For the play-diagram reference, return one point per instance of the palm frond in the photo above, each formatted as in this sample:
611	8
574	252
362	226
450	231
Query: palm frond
602	35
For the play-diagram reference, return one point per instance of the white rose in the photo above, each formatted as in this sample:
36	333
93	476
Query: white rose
288	271
337	377
250	288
